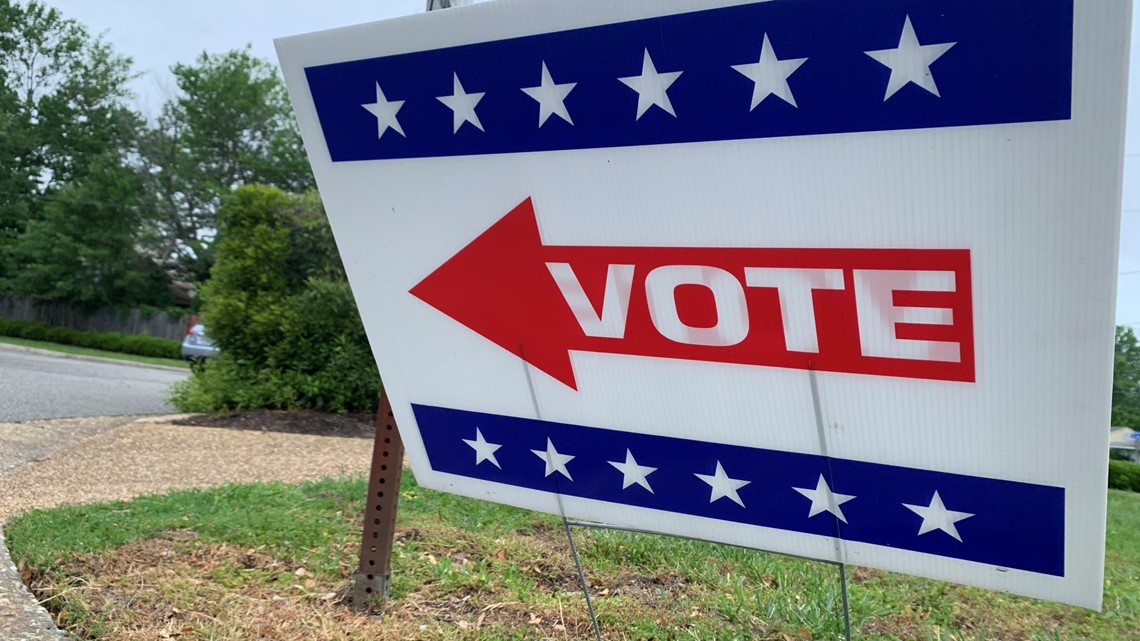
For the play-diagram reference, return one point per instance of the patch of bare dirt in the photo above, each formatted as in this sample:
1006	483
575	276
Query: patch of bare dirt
300	422
652	591
862	575
172	586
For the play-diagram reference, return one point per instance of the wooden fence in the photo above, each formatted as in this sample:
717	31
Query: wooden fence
57	314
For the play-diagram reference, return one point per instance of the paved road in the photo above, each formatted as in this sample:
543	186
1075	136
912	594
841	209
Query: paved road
38	386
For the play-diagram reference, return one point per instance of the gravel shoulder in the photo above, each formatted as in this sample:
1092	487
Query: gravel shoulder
148	458
100	461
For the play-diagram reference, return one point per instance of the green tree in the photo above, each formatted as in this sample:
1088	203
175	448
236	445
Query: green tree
1126	379
230	125
67	90
16	185
83	248
62	114
280	308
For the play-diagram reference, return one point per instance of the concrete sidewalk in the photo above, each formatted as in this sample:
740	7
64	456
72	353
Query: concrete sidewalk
149	456
34	441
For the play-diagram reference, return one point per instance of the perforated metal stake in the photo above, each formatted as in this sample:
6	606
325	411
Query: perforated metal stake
374	575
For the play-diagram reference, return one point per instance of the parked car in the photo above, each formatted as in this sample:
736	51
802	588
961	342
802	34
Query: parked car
197	346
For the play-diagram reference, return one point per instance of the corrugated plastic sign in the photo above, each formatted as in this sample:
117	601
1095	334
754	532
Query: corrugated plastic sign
831	278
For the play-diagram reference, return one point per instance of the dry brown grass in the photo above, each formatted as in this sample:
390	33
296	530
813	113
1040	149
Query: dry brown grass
175	586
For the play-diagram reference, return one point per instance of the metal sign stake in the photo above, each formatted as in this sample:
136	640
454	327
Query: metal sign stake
374	574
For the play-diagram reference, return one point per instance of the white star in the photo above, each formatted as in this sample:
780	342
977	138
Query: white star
651	87
462	105
555	462
385	111
769	75
910	61
824	500
551	97
633	473
484	451
722	485
936	517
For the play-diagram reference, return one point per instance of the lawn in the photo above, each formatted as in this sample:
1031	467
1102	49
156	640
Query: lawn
273	561
85	351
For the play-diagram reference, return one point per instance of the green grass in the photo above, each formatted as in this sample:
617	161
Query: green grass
276	515
476	570
84	351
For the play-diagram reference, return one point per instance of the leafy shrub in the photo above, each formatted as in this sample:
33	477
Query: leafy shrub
279	307
106	341
1123	475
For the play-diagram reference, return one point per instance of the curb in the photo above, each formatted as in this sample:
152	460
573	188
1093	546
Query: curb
90	359
161	419
21	616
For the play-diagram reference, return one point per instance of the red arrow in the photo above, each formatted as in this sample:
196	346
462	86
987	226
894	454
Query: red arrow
500	287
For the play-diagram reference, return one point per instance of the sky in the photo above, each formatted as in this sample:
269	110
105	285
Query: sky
159	33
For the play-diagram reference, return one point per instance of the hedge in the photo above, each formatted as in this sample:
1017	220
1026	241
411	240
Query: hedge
107	341
279	307
1123	475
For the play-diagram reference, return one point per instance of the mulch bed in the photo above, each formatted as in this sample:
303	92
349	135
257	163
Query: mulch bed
302	422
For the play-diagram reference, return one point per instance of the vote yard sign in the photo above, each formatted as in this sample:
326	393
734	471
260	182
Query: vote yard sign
831	278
